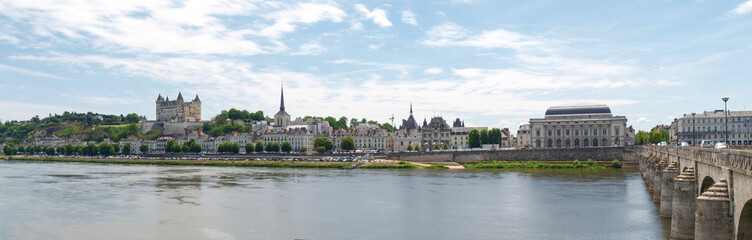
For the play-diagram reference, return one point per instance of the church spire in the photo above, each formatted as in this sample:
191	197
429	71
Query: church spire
411	108
282	98
180	96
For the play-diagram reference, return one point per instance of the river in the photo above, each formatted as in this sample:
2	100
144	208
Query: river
103	201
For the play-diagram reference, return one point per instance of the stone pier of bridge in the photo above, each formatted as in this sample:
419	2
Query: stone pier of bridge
707	193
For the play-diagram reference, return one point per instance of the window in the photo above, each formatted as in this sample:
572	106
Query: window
605	131
567	134
549	132
616	130
577	132
558	132
537	134
585	131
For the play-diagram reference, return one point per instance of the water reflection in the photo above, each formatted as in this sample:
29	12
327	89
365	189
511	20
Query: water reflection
150	202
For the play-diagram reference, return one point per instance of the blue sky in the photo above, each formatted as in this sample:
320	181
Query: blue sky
493	63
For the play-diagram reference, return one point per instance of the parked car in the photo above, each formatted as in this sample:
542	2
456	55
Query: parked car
721	145
684	144
706	144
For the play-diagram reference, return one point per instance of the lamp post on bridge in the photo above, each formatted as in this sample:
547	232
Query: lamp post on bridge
725	113
694	135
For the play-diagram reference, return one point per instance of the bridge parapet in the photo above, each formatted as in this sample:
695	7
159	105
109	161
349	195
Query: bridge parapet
736	160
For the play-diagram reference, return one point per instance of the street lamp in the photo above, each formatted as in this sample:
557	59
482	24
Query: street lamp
694	134
725	113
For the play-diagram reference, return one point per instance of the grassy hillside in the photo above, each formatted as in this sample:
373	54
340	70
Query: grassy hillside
88	127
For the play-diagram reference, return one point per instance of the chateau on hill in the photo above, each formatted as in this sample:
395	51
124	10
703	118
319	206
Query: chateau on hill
178	110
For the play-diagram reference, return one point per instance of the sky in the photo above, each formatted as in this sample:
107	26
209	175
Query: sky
492	63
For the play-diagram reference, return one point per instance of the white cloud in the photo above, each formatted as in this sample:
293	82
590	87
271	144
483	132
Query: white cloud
29	72
451	34
743	8
302	13
643	119
378	15
375	46
409	18
191	27
25	111
433	71
313	48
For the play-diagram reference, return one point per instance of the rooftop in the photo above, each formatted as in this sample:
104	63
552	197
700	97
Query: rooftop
580	109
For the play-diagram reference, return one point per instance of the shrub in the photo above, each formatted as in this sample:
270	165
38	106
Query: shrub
616	164
402	162
590	162
576	162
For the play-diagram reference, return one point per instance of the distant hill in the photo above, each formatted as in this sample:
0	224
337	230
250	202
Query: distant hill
83	126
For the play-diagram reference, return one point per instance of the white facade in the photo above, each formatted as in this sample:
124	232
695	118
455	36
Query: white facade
578	126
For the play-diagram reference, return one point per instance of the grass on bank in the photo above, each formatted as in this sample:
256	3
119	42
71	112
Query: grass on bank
436	166
532	164
190	162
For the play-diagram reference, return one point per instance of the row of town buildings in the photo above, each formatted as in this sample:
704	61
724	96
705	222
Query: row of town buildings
694	128
561	127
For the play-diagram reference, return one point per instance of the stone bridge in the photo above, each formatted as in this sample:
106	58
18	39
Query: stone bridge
707	193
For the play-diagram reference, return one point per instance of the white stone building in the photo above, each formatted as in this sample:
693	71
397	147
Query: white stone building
578	126
711	125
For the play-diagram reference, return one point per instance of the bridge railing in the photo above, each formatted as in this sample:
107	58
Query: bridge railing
737	160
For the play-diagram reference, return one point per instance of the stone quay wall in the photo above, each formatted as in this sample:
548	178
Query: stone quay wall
566	154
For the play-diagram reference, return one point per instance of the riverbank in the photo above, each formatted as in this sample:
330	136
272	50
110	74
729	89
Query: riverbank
214	163
533	164
377	164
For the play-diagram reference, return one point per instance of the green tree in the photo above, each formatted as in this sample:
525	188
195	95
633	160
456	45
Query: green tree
9	149
446	147
417	147
409	147
386	126
343	122
20	149
347	144
116	146
473	139
484	136
494	136
143	148
436	146
303	149
132	118
49	151
323	142
106	149
249	148
168	146
272	147
195	147
259	147
321	149
353	122
126	149
286	147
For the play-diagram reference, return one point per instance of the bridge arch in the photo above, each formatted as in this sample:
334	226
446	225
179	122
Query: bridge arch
744	231
706	183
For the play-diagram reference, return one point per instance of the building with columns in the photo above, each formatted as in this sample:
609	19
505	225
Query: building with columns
578	127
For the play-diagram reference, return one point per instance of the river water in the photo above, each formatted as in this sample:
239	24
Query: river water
100	201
